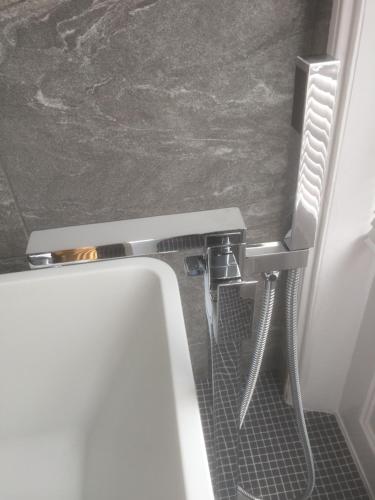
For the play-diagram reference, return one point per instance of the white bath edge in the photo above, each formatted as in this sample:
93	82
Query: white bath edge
188	415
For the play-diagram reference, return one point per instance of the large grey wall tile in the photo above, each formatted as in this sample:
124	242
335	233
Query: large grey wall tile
322	20
12	231
117	109
13	265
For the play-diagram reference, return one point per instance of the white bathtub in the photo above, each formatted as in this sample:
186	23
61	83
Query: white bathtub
97	399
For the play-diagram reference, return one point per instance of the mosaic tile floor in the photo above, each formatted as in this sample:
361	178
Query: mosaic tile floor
271	457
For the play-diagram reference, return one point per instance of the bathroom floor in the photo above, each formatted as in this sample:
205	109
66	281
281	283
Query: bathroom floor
271	456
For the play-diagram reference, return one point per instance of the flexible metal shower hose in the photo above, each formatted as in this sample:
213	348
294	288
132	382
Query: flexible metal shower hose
262	331
261	335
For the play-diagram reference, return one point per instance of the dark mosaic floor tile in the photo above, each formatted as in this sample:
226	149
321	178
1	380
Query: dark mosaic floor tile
271	460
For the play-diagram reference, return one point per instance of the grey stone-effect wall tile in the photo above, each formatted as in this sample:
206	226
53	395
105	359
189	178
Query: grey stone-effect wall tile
117	109
321	27
12	231
13	265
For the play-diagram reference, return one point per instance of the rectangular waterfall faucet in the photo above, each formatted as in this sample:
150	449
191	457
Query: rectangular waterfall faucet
136	237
